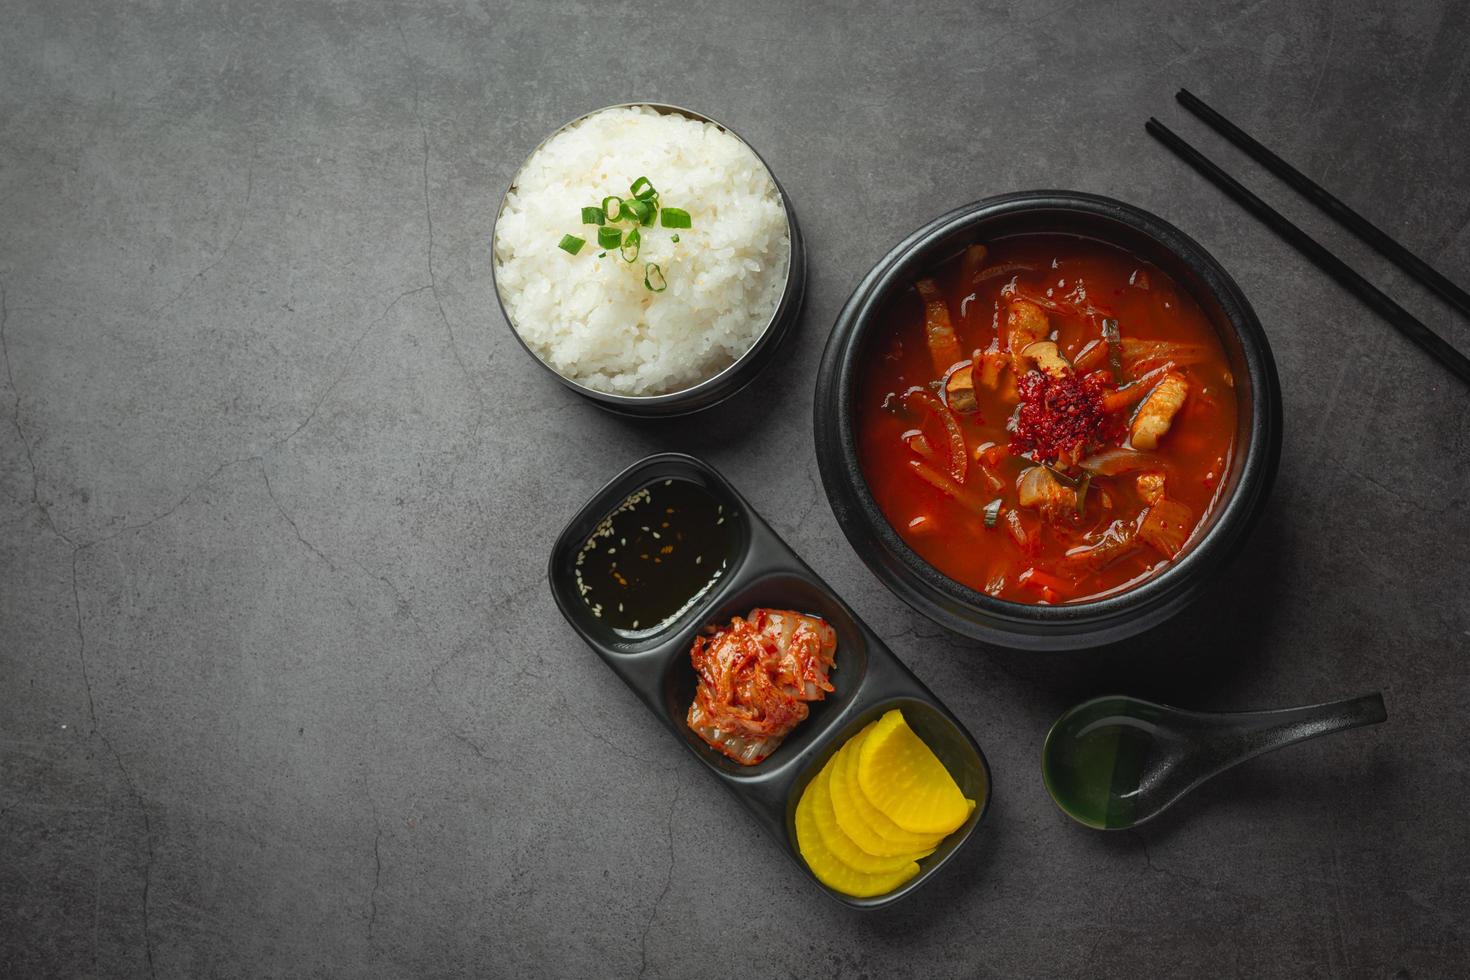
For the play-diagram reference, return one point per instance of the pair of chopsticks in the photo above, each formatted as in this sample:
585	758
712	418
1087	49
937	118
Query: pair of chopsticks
1407	324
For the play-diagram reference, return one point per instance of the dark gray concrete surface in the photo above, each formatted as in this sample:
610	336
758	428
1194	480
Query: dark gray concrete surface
282	689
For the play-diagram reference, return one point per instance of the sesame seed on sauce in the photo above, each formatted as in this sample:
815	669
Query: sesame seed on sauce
671	528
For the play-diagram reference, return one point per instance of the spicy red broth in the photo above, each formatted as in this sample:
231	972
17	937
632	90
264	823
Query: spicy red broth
1048	419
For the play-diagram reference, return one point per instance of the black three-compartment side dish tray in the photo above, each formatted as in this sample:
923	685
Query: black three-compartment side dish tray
763	572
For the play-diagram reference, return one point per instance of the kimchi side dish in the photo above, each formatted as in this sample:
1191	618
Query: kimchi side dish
1049	419
757	677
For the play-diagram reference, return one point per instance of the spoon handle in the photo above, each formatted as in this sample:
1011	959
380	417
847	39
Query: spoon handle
1263	731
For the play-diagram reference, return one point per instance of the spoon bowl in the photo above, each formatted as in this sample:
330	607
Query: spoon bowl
1116	762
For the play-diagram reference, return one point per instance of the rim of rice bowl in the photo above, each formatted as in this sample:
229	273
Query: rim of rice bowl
793	259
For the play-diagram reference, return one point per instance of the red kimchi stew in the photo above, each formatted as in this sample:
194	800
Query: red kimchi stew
1048	419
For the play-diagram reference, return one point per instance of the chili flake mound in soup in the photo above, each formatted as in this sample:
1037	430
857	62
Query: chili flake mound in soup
1048	420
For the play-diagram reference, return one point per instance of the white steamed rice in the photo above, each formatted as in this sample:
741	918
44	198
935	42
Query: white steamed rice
592	319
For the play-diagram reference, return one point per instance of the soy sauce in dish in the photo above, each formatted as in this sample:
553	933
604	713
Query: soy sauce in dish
649	560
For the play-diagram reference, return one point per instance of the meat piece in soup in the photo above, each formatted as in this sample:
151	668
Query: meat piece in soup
1157	411
1026	324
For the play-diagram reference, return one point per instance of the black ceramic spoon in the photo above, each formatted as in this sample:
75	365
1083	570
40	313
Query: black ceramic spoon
1115	762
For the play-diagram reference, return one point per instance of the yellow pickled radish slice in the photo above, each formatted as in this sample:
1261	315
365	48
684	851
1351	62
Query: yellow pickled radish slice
841	845
903	778
832	872
863	822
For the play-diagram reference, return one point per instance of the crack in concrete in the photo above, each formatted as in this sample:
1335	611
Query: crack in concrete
257	458
1148	860
429	251
147	868
1107	927
82	659
15	419
95	728
377	870
621	751
78	547
117	760
347	364
102	841
668	882
1326	63
239	226
265	476
811	504
1338	918
464	739
1087	958
449	724
187	496
76	602
450	727
399	598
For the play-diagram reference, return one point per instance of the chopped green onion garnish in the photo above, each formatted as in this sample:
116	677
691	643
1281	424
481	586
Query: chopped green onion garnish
629	248
609	237
1063	478
571	243
593	216
674	218
992	512
674	239
653	278
1082	493
640	211
612	207
602	255
643	189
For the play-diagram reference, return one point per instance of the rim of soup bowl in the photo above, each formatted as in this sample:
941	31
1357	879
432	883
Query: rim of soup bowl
1090	622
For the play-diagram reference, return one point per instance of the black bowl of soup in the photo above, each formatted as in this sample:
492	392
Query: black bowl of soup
1046	419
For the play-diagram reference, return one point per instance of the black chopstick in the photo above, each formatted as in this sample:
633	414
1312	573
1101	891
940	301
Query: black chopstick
1395	314
1344	215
